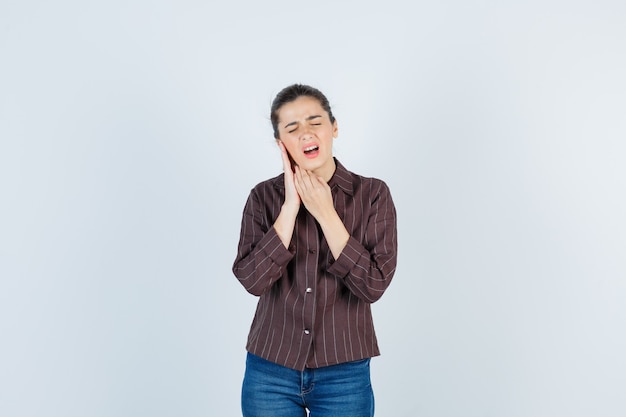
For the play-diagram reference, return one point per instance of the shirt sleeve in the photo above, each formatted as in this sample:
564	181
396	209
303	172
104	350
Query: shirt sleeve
261	255
367	267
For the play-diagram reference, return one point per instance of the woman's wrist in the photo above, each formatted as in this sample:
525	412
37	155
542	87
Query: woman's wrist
285	223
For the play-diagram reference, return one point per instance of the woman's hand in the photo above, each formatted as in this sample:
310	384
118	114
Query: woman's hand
314	193
292	199
286	220
318	200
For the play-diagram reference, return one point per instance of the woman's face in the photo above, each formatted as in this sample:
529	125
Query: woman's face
305	129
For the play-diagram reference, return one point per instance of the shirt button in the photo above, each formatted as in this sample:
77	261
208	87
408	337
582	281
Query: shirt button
307	331
311	250
309	289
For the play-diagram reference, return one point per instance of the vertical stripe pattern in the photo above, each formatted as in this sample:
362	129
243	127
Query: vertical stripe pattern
314	310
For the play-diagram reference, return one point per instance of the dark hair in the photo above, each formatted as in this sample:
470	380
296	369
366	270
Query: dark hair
291	93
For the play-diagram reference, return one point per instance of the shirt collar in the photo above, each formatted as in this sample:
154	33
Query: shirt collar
341	179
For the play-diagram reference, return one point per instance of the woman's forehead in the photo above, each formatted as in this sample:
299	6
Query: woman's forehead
301	107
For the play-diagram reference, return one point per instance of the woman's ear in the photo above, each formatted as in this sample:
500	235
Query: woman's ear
335	129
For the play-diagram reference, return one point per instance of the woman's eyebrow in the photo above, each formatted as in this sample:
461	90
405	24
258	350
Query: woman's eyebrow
315	116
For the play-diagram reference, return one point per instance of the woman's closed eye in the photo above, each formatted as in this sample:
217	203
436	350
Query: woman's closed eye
296	128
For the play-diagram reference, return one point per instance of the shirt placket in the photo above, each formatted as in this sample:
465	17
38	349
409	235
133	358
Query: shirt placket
310	284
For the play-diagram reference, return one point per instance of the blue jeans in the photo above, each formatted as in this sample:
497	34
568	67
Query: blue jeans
271	390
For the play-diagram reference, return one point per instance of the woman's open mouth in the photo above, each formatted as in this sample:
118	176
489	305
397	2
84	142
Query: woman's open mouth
311	151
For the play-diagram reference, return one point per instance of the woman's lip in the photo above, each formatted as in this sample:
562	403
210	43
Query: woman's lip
310	145
312	154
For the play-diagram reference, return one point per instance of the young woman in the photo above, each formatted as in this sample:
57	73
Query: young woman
318	246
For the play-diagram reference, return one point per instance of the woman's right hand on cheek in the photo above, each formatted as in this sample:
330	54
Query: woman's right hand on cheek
292	198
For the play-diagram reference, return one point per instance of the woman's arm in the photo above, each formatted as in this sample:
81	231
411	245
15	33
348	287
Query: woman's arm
263	252
261	255
367	267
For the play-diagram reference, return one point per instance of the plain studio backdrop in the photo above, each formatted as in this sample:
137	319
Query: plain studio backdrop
131	133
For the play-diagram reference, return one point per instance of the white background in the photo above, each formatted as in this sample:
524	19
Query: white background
132	131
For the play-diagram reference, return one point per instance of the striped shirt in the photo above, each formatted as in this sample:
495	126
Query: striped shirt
314	310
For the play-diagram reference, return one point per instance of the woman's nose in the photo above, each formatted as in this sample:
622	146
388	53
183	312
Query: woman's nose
306	133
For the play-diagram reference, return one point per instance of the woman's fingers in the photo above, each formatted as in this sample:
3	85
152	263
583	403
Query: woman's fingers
308	182
306	179
291	192
313	191
285	157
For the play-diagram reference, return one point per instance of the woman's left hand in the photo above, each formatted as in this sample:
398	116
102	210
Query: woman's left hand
314	193
318	200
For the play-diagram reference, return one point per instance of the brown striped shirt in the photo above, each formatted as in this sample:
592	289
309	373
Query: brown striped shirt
313	310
